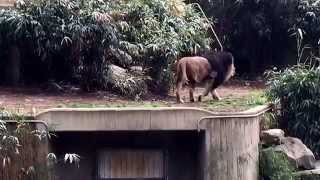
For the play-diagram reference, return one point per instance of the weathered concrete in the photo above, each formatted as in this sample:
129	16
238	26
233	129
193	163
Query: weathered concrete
86	119
105	119
7	4
228	149
231	145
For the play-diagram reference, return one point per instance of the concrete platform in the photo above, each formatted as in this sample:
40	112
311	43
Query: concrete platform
108	119
225	145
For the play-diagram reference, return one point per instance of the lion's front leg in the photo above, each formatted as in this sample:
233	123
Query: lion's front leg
207	90
215	95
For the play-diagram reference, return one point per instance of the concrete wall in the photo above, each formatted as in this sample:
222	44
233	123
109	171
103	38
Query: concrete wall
6	3
89	119
228	149
232	148
127	119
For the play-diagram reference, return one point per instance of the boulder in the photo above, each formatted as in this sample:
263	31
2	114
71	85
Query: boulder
308	175
272	136
298	154
126	83
117	72
137	70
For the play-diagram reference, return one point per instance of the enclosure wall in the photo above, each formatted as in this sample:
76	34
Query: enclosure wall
231	148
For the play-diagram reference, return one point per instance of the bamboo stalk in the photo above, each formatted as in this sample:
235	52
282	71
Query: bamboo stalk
216	36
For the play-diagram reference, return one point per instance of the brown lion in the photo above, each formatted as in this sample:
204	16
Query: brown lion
212	68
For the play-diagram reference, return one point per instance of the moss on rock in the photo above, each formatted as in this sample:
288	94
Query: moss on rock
275	166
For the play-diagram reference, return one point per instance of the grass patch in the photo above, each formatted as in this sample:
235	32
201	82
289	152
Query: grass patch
255	98
233	103
115	105
88	105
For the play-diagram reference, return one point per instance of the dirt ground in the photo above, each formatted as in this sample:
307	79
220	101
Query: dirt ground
33	100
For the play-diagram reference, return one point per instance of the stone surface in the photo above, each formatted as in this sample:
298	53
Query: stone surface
136	68
318	164
272	136
117	71
309	174
298	153
309	177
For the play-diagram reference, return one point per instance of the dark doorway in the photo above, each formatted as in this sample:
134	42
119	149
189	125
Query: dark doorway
120	155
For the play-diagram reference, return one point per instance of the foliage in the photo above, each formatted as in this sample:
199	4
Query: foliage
262	33
307	29
79	40
154	35
298	90
269	121
23	149
52	30
274	166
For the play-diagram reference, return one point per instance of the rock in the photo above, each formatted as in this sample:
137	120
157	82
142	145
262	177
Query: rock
54	87
272	136
126	83
308	174
137	70
309	177
117	71
298	154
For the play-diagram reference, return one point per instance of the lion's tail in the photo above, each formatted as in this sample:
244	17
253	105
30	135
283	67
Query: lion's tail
181	72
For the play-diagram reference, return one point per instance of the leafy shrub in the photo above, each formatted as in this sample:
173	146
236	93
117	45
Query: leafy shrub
298	90
308	21
23	152
269	121
154	34
78	40
57	31
255	31
274	166
261	33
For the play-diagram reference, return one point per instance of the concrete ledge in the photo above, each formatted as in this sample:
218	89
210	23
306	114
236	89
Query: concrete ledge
132	119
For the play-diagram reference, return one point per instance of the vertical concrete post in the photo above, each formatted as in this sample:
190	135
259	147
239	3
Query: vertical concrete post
232	148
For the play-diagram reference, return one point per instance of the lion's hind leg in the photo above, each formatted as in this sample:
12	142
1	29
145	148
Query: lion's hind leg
191	91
